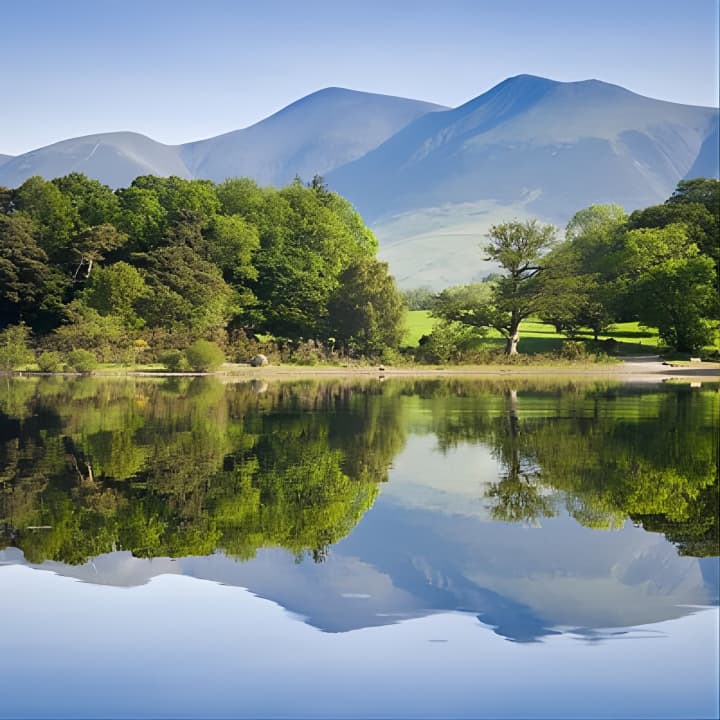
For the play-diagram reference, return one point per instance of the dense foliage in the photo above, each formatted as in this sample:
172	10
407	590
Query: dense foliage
185	466
658	266
170	261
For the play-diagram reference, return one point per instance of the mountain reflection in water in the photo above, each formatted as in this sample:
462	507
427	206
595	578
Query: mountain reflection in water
541	509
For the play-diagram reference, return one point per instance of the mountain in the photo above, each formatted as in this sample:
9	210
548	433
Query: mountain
528	147
313	135
707	163
405	561
431	180
5	158
114	158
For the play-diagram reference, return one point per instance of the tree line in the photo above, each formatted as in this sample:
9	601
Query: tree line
658	266
168	261
186	466
169	264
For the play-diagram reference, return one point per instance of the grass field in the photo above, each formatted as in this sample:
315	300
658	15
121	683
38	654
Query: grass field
539	337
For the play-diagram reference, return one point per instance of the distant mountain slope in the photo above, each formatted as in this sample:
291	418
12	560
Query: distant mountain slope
529	146
114	158
565	144
5	158
707	163
312	136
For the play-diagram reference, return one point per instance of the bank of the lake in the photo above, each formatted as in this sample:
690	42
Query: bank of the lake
636	369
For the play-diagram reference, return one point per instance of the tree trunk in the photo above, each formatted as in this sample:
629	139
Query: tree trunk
513	338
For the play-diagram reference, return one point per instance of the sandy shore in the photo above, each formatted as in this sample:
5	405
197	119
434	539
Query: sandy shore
635	369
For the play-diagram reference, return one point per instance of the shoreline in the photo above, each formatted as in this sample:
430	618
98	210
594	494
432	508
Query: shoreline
636	370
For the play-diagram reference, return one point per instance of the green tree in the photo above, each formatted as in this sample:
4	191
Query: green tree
518	247
673	286
142	217
179	197
418	298
703	228
85	328
186	292
92	245
53	214
580	286
705	191
117	290
94	203
365	314
14	347
24	270
232	242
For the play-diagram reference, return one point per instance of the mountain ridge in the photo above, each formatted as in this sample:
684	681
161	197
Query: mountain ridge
430	180
126	154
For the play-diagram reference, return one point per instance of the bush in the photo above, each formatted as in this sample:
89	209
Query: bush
82	361
173	360
573	350
14	350
50	361
449	342
204	355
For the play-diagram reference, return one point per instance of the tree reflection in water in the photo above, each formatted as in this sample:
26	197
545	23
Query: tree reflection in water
184	467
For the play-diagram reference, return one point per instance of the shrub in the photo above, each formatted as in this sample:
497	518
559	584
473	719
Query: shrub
50	361
573	350
173	360
14	350
449	342
204	355
82	361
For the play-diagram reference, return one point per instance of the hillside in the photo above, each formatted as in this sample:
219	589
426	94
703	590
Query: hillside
113	158
529	146
312	136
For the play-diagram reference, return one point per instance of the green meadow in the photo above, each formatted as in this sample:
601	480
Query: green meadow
539	337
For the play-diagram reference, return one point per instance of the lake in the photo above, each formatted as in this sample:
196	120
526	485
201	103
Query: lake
357	548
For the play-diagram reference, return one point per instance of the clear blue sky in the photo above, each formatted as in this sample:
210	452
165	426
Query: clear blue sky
180	70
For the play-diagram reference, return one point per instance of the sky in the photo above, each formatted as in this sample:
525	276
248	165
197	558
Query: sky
180	70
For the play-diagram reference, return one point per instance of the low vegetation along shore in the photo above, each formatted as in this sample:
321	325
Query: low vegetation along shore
172	275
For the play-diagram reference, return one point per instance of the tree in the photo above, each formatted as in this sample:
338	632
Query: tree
420	298
305	246
23	268
186	292
142	217
52	213
579	288
94	202
365	314
92	245
705	191
672	285
178	196
703	228
116	290
14	350
518	247
231	244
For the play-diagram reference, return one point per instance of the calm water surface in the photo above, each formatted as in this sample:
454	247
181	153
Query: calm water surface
413	548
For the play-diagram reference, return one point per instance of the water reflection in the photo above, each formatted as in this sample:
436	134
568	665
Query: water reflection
540	509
